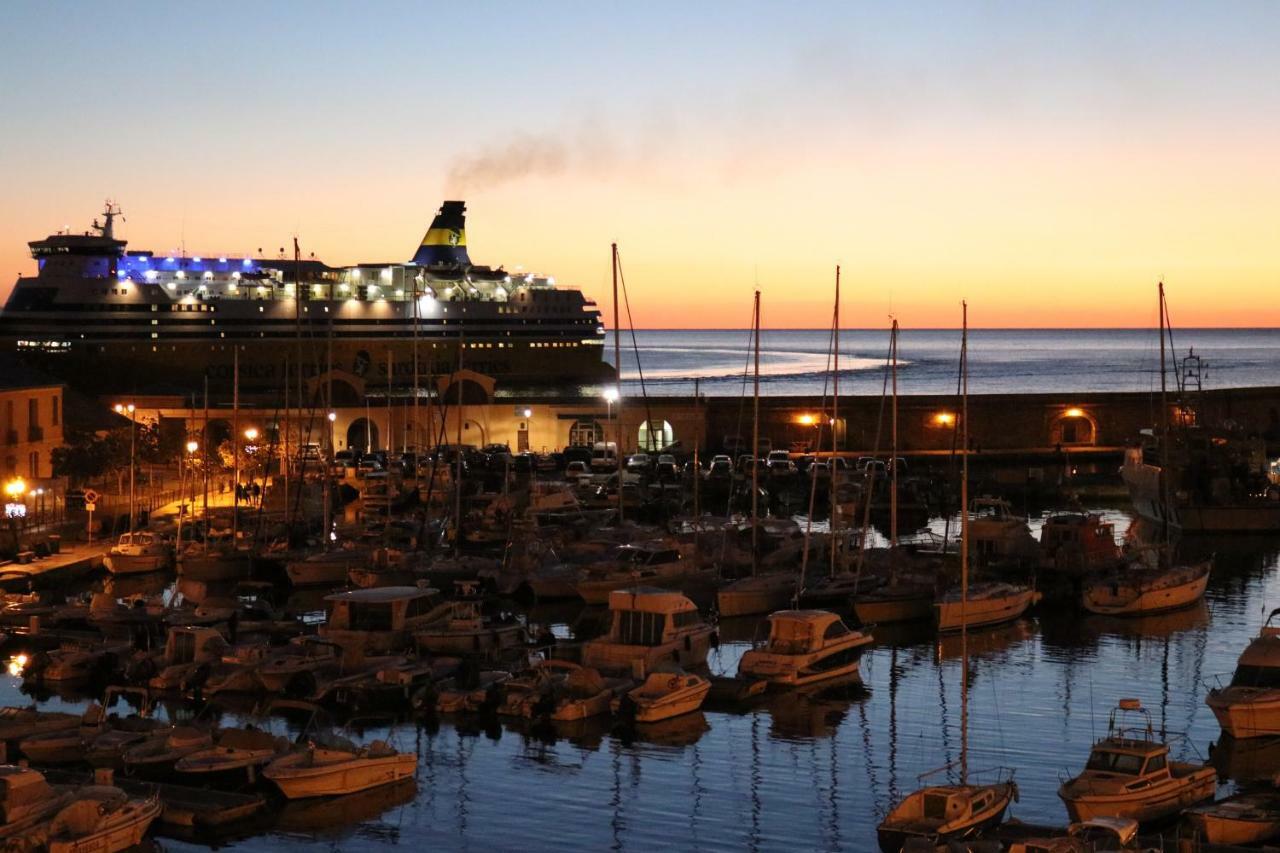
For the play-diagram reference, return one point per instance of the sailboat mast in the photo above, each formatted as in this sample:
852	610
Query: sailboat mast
893	456
417	428
1165	508
617	367
755	441
964	545
204	440
285	460
457	486
235	445
835	416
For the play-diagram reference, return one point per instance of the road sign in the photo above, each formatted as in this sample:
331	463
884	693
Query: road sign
90	506
90	496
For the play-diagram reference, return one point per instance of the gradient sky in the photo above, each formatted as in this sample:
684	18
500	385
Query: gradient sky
1047	162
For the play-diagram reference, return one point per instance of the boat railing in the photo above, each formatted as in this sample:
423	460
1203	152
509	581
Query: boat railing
995	775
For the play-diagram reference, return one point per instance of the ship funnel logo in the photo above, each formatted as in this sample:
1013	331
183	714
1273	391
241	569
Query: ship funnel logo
455	237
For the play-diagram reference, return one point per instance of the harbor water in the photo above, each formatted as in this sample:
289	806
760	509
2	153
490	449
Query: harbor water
806	772
1014	361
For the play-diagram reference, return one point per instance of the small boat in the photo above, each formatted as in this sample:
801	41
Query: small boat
667	692
380	620
466	692
1142	591
903	599
77	660
215	561
296	668
1249	706
649	627
234	758
327	568
66	746
390	685
998	535
1130	775
463	629
754	594
938	814
98	818
17	724
988	604
1090	836
583	693
653	564
1077	543
325	814
320	771
804	647
1251	817
26	799
186	650
138	552
155	757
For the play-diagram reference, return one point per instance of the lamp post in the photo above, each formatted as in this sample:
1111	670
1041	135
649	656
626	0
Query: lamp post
133	432
15	490
610	397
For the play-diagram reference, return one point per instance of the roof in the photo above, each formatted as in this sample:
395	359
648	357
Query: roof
16	376
380	595
1264	651
649	599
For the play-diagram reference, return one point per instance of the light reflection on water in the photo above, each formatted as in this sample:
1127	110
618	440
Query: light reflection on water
810	772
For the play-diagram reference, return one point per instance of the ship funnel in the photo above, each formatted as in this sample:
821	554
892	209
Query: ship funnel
445	243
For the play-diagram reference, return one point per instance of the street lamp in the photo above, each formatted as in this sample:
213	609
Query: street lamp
13	509
251	434
133	432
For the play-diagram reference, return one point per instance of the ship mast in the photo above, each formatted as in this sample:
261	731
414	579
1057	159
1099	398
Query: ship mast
1165	507
893	455
835	419
755	441
964	545
235	445
617	367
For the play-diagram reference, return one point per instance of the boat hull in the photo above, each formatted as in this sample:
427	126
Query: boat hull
134	564
756	595
1106	600
1252	715
882	611
1218	826
344	778
1151	803
983	612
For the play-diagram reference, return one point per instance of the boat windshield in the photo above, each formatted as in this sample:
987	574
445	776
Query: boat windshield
1256	676
1114	762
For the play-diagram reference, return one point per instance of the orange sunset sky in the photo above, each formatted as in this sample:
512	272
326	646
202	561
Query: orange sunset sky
1048	163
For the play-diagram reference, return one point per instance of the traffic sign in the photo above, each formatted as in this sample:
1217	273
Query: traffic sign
90	496
90	506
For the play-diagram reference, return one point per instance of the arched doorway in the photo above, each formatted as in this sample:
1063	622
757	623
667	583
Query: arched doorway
1074	427
363	435
585	432
654	436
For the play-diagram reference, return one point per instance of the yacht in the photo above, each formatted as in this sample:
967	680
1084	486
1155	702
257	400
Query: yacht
1249	706
137	552
1130	774
804	647
325	770
649	627
380	620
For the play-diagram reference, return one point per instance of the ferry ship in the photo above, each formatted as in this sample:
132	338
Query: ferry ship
113	320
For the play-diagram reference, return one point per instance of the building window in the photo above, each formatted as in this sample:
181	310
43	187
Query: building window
33	411
57	402
33	465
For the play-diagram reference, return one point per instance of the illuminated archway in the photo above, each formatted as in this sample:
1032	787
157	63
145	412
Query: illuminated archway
654	436
1074	427
363	435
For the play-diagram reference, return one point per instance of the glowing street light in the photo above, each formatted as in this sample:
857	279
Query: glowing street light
193	446
15	488
121	409
251	433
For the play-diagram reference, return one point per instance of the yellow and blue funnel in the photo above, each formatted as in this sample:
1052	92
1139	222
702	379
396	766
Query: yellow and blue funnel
445	243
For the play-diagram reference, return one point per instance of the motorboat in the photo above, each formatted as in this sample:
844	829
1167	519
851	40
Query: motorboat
326	568
234	758
380	620
65	746
138	552
763	593
26	799
561	691
667	692
97	818
468	691
648	627
1078	543
76	660
296	668
391	685
1130	774
154	758
653	564
338	769
17	724
217	559
1090	836
938	814
1249	817
998	535
464	629
1249	706
186	650
804	647
990	603
1141	591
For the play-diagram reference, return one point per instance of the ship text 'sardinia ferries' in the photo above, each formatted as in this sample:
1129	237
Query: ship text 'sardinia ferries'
111	319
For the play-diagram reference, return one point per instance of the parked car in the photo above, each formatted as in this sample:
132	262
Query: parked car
577	471
667	466
639	463
721	468
780	464
604	458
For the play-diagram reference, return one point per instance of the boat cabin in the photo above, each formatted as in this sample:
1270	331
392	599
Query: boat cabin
23	792
950	804
380	619
193	645
1259	664
1078	541
139	539
637	557
649	626
800	632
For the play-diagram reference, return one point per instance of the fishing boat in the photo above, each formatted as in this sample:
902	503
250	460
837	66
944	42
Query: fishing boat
219	558
1141	591
804	647
763	593
667	692
464	629
1249	706
1130	774
338	769
648	627
986	604
1250	817
98	818
938	814
1078	543
380	620
138	552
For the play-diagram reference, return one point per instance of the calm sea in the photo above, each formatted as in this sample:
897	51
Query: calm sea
1000	360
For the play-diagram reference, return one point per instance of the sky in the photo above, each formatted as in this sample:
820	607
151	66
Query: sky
1048	163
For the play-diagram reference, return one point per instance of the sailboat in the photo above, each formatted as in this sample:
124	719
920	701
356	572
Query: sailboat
1151	582
905	597
756	593
937	814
